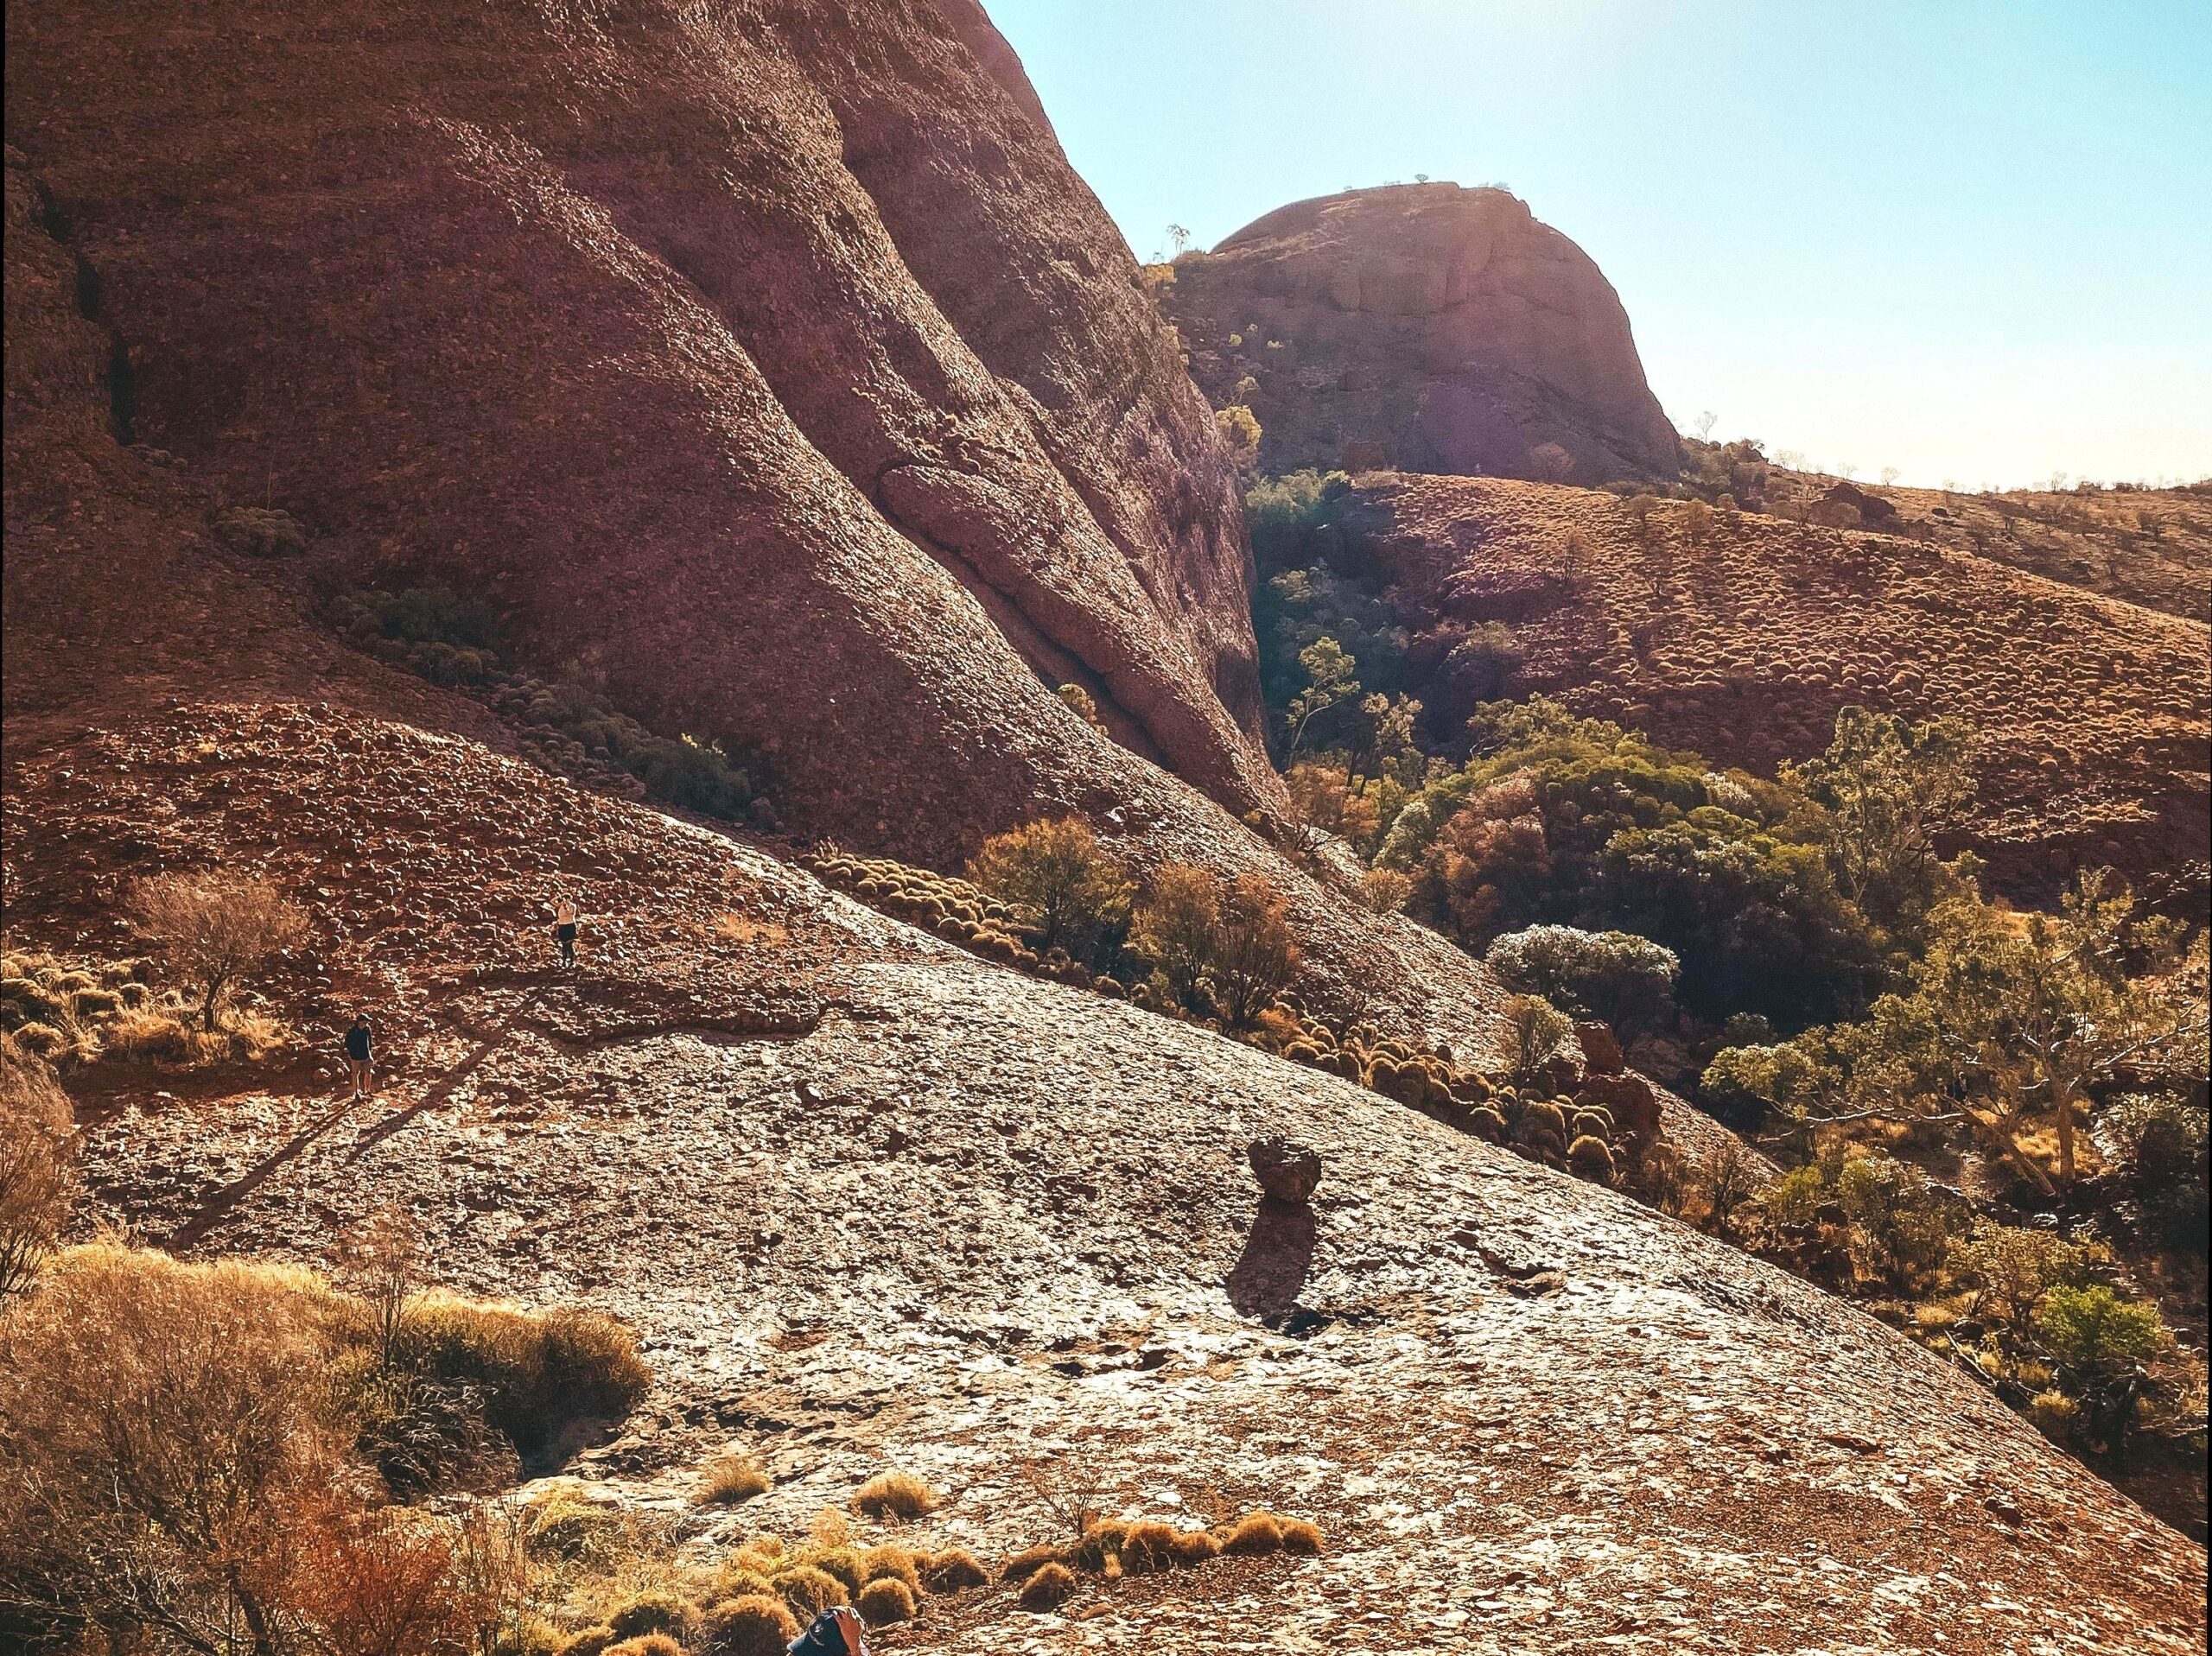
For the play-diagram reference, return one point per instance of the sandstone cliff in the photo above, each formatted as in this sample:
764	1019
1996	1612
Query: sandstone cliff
1422	327
767	363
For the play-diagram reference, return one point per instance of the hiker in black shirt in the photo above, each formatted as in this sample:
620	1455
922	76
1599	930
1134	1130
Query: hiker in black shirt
357	1056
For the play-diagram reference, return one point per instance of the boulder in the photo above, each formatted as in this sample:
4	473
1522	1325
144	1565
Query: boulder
1286	1170
1628	1099
1601	1051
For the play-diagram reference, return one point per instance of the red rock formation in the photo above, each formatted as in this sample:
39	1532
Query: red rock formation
1740	636
1421	326
768	363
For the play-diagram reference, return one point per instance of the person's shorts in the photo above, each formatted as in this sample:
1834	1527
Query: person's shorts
565	934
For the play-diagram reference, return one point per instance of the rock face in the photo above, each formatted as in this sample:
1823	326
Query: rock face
1425	328
765	362
1286	1170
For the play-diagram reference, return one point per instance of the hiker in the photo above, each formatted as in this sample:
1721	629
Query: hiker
357	1056
833	1632
564	929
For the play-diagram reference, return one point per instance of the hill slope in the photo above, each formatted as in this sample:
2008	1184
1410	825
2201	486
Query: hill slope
2094	714
874	1201
1427	327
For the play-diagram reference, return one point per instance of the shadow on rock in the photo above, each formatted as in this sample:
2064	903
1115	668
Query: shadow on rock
1278	1254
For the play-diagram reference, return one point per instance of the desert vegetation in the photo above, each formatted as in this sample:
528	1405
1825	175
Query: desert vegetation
1223	952
103	1015
1936	1071
231	1475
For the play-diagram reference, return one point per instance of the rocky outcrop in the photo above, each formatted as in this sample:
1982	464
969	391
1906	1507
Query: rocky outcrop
1425	327
1286	1170
871	1202
765	363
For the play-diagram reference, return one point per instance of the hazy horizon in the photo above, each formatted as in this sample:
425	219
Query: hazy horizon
1966	243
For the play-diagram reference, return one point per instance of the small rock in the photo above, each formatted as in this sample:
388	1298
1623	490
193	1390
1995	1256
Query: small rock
1286	1170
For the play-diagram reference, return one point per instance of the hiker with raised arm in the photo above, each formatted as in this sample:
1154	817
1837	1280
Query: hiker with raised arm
564	928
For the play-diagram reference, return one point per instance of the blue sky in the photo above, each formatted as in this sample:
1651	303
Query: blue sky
1970	241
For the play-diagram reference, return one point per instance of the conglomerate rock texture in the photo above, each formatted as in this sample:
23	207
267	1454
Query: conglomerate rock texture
1422	327
764	361
1742	638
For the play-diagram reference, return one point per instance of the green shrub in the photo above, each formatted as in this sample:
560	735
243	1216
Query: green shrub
1068	892
1899	1225
2156	1144
1625	981
1537	1032
2096	1336
2013	1267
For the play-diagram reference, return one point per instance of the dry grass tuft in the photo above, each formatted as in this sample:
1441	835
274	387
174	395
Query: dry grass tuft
809	1591
38	1168
1048	1586
893	1564
1301	1538
842	1561
955	1572
896	1494
1254	1535
1197	1547
882	1603
646	1644
752	1624
656	1611
730	1479
1147	1547
1028	1562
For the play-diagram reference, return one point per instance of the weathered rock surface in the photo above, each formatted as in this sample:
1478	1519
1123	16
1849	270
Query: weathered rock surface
873	1203
767	362
1286	1170
1742	640
1422	327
